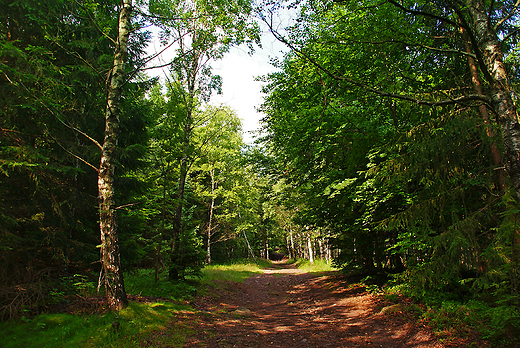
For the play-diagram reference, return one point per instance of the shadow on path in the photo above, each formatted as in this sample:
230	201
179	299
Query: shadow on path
285	307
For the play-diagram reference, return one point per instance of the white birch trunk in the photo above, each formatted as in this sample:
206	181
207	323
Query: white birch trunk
111	273
211	208
311	253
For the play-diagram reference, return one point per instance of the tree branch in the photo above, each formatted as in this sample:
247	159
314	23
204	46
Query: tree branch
464	25
422	13
463	53
80	132
75	156
506	18
451	101
95	24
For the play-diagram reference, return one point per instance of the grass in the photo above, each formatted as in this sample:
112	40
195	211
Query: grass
136	321
470	320
142	282
237	272
317	266
497	324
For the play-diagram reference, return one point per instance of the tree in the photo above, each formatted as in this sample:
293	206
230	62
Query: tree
375	122
480	25
204	32
110	256
55	57
220	142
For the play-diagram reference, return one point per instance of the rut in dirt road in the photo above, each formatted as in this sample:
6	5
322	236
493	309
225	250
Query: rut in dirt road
285	307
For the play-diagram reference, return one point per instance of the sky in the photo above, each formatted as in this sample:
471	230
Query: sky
238	70
240	91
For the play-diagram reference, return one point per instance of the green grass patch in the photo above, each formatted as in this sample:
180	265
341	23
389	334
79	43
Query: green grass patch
317	266
136	321
142	282
237	272
499	324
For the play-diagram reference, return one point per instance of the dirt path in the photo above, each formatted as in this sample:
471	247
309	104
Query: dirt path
285	307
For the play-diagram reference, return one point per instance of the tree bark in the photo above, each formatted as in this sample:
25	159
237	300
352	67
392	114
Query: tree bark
161	232
293	256
112	274
191	78
212	206
311	251
483	110
490	47
177	220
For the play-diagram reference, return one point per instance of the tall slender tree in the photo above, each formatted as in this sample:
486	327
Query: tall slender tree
112	273
204	30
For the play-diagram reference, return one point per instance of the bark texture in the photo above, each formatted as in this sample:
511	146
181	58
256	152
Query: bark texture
112	274
210	222
489	46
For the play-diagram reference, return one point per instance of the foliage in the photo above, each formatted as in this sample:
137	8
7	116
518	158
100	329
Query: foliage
364	131
142	282
187	258
136	322
318	266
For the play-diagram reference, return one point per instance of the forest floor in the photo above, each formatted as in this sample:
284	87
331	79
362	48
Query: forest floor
286	307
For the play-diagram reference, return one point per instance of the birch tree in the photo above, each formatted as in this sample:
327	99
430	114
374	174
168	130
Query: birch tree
490	32
112	274
220	142
204	30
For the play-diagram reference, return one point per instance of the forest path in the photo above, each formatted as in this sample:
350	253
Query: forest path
286	307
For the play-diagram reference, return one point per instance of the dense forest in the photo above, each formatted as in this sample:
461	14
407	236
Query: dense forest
390	145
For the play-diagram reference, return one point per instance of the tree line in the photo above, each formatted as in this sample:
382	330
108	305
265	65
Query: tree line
393	126
104	167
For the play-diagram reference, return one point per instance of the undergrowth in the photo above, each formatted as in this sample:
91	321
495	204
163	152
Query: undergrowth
148	318
151	318
236	272
499	324
98	328
142	282
127	328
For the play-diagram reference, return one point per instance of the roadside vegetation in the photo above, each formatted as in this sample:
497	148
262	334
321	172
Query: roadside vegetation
155	310
84	320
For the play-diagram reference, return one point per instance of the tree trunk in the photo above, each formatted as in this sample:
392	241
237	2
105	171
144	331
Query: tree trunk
161	232
290	245
311	252
249	246
177	220
329	251
490	48
212	206
266	247
112	274
483	110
